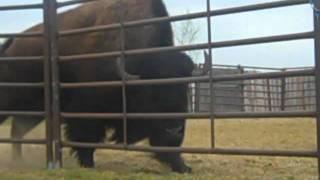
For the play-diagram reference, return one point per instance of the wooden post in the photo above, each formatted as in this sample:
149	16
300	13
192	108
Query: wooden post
269	95
283	92
242	87
197	96
303	93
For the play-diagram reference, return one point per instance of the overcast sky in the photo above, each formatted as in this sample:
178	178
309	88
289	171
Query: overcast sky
238	26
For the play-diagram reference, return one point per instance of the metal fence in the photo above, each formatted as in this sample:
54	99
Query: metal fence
256	95
51	83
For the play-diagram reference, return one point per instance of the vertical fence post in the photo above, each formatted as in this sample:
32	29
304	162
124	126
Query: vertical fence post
242	87
51	7
47	88
317	77
252	96
269	95
279	85
192	97
197	96
210	75
283	92
123	79
303	93
264	96
255	95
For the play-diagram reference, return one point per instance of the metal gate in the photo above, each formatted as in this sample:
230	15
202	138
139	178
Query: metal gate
52	86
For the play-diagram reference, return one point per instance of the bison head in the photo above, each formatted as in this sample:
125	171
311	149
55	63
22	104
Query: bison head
163	97
168	98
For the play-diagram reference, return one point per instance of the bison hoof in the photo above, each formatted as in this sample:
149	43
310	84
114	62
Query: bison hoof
183	169
87	164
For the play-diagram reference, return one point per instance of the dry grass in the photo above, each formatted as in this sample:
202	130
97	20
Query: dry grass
291	134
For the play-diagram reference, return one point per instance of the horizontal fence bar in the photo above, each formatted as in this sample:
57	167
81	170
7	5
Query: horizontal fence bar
261	106
300	82
21	85
190	79
197	46
25	34
230	104
220	103
21	7
258	91
186	16
221	85
14	59
263	98
245	67
257	67
300	105
273	86
249	41
299	90
72	2
253	105
23	141
22	113
300	97
227	97
295	68
221	115
217	89
286	153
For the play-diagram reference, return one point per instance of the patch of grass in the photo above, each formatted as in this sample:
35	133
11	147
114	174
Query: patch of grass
279	134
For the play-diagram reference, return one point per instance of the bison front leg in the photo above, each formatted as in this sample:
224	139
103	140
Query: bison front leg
170	137
85	157
175	161
21	125
85	131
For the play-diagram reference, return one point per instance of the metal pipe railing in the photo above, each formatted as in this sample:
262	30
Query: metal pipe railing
222	44
24	34
217	115
21	7
72	2
24	141
22	113
52	55
21	85
248	152
14	59
219	12
189	79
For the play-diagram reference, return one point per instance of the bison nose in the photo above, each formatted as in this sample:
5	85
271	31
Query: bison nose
175	130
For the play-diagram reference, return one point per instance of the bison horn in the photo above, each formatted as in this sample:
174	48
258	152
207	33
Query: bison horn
123	73
206	66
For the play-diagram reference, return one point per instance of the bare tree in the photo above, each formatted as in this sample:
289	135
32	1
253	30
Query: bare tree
186	32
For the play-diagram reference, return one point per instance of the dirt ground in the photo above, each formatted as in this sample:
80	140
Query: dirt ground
279	134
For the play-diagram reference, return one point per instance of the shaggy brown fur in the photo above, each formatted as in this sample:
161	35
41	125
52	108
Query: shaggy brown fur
164	98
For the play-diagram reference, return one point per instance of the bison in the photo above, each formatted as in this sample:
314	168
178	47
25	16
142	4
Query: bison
147	98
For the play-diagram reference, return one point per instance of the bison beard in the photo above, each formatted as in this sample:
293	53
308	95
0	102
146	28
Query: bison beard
148	98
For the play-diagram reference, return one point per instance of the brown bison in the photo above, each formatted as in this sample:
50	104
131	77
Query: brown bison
147	98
